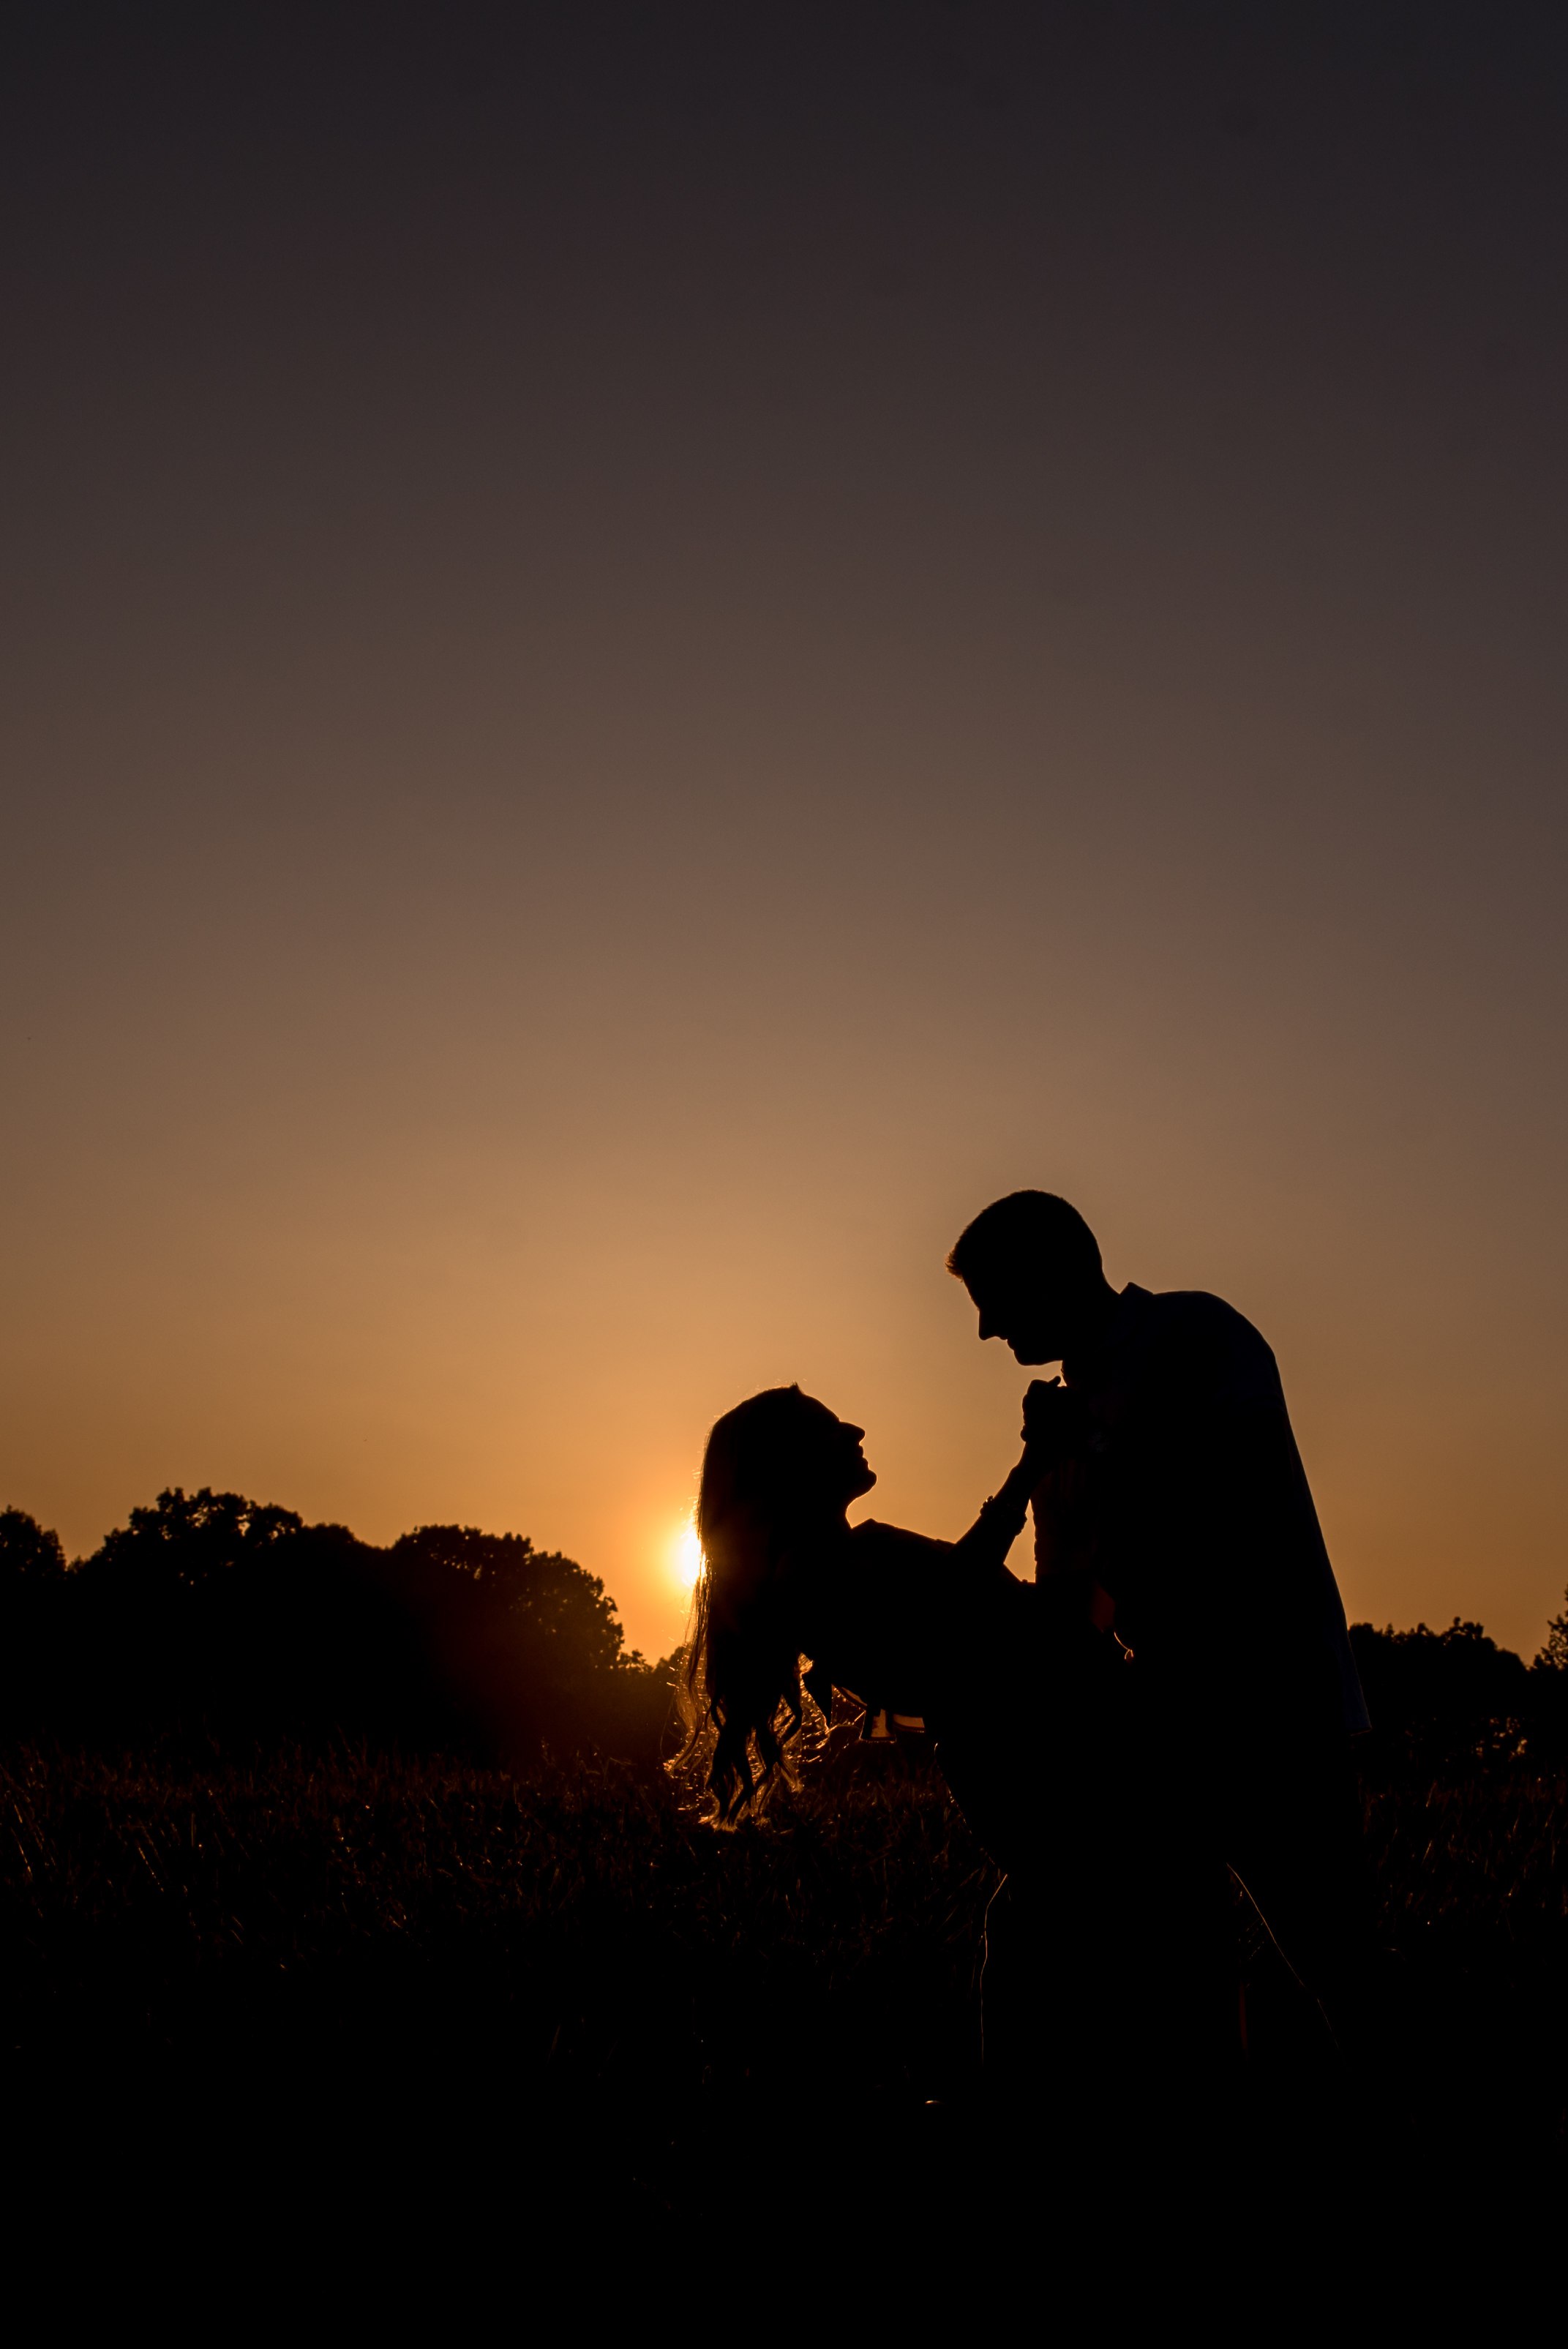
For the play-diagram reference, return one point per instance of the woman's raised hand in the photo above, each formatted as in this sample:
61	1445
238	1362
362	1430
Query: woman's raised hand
1052	1413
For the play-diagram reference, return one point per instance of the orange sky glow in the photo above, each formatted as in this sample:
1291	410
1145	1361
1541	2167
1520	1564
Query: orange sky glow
627	695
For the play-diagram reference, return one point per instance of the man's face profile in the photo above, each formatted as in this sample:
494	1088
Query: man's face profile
1024	1308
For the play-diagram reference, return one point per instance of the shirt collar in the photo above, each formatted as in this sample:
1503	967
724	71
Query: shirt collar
1118	1331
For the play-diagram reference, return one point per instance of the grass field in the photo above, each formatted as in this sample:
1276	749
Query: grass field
565	1972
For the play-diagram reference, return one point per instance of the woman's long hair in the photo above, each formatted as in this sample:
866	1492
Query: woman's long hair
740	1684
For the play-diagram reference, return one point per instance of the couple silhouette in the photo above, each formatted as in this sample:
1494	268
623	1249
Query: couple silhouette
1151	1738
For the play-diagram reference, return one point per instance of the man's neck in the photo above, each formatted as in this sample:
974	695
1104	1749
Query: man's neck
1093	1320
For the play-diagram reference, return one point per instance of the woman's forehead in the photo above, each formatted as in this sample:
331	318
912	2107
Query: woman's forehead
811	1409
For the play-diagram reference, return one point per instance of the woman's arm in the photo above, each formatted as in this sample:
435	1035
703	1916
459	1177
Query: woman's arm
1052	1414
983	1549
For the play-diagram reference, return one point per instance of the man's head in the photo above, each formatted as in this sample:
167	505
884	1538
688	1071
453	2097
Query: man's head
1032	1266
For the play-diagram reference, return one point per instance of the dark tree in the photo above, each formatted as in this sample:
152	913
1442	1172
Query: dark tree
212	1613
184	1542
1549	1694
1442	1699
30	1552
33	1600
1555	1654
526	1642
547	1601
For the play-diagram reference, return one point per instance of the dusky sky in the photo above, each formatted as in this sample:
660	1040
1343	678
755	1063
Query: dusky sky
651	649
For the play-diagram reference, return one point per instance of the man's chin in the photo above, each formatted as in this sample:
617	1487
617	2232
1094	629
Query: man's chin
1030	1356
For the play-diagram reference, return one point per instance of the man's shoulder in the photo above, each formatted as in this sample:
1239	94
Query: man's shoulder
1195	1323
1197	1309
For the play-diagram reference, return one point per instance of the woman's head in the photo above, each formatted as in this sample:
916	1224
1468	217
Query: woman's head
783	1457
777	1475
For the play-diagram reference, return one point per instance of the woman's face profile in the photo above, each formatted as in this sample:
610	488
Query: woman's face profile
837	1459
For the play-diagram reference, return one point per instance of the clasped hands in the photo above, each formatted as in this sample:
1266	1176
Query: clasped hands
1053	1422
1054	1419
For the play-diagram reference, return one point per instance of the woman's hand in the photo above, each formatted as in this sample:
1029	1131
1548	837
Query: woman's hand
1053	1422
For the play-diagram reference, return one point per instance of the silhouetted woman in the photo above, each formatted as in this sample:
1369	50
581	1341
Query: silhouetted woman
792	1598
1019	1686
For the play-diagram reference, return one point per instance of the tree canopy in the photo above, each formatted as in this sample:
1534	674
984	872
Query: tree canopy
211	1608
28	1551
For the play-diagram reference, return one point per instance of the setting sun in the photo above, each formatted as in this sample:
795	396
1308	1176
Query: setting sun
685	1555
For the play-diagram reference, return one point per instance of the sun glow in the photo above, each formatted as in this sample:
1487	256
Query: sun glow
685	1555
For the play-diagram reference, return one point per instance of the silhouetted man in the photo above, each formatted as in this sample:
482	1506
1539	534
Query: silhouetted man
1177	1507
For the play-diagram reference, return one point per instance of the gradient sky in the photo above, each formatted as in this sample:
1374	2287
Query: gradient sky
650	650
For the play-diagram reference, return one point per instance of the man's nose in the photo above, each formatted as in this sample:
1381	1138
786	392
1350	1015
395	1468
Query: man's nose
988	1328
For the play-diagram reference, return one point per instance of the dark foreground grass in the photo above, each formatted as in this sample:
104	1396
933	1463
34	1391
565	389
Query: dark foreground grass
340	1969
578	1924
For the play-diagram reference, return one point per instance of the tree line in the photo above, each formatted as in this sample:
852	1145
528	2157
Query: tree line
211	1611
1454	1700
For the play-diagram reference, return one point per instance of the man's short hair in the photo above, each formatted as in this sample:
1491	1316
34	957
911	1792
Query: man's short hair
1027	1231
